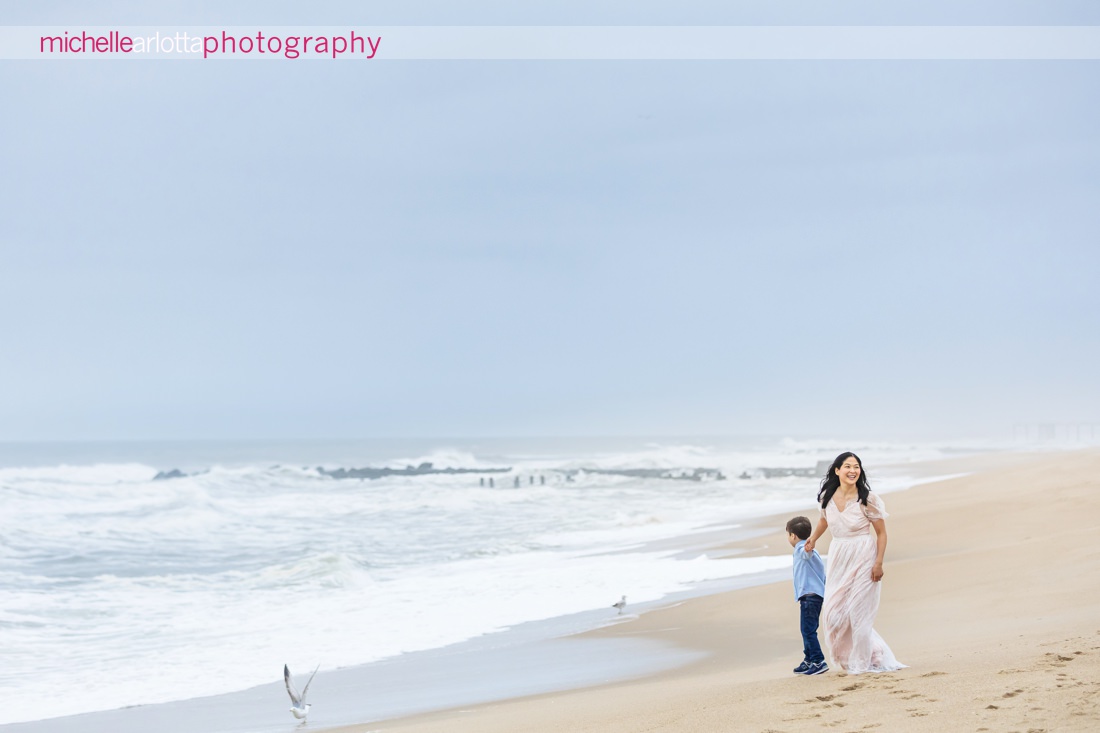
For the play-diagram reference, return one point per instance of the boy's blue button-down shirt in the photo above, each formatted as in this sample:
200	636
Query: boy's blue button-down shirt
809	572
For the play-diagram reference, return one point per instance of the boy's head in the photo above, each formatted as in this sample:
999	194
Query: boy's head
798	529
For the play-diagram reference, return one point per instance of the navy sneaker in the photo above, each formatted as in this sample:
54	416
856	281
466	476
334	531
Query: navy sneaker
801	669
818	668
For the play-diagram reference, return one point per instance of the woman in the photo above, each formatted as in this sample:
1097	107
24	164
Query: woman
852	583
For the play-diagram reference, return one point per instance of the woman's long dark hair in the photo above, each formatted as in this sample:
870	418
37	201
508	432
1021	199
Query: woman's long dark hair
831	482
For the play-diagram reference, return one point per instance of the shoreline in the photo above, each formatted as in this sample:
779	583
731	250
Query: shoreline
670	639
534	657
952	609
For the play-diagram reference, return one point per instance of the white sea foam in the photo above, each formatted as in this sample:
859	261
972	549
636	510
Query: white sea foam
122	590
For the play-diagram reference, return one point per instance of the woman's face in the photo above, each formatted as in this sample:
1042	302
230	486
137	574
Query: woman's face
849	472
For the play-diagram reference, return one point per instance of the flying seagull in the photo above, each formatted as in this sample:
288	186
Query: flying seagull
299	707
620	605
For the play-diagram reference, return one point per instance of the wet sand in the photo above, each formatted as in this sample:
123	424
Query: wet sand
990	595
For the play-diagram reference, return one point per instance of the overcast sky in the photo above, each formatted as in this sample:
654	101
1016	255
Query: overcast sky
278	250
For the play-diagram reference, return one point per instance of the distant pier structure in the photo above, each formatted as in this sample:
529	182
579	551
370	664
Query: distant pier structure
1071	433
424	469
815	472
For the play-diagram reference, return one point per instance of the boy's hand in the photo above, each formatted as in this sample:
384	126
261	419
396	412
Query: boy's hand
876	572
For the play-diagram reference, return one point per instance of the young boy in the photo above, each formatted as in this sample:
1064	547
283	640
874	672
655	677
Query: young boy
809	590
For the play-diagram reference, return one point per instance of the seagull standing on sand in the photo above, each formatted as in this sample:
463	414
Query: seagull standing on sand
620	605
299	707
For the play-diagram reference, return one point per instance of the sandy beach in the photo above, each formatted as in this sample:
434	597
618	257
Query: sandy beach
990	594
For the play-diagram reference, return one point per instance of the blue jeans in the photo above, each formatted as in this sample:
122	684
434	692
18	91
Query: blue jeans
811	611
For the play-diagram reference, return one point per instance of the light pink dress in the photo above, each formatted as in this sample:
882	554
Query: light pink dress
851	597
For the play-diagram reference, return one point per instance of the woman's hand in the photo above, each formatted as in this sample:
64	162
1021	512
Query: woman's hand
811	543
876	572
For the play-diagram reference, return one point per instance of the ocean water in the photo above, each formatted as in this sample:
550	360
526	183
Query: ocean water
123	590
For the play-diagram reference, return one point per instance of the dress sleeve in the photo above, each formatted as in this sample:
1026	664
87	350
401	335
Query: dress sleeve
875	508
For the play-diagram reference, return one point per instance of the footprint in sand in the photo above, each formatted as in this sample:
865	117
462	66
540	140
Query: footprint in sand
932	674
802	717
1053	659
1014	693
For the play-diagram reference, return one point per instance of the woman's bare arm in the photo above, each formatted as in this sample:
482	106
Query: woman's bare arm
880	532
822	525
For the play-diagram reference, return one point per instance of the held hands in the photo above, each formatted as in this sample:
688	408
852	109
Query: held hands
809	546
876	572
